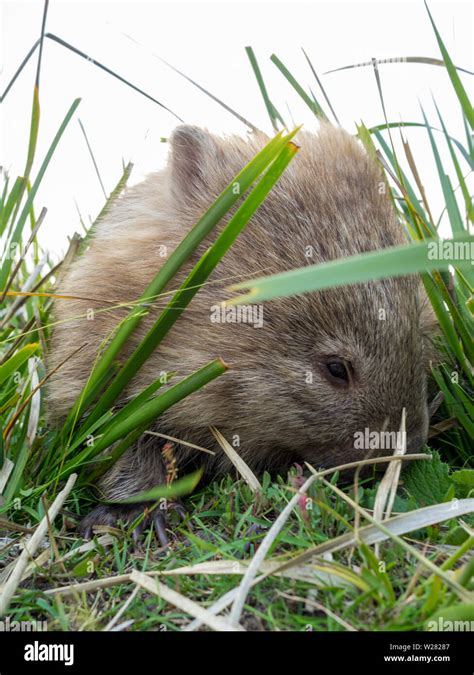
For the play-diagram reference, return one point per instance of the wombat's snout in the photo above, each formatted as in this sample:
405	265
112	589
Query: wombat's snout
416	429
382	439
417	425
416	442
418	435
360	404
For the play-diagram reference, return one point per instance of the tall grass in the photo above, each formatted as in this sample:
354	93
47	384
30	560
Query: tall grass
35	460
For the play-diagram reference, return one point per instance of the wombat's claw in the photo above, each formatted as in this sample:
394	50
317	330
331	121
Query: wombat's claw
252	531
111	514
108	515
159	522
159	518
85	531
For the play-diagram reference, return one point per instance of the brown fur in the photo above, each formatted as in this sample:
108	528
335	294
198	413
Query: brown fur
330	198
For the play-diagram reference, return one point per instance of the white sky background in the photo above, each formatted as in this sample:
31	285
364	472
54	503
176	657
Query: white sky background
206	41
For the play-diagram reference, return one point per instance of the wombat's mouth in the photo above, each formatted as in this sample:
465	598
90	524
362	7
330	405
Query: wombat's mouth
368	444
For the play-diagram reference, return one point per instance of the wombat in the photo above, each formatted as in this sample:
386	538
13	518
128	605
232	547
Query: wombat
317	370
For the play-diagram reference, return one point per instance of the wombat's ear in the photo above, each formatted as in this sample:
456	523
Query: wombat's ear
192	151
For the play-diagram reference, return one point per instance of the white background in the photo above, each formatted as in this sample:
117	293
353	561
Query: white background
206	41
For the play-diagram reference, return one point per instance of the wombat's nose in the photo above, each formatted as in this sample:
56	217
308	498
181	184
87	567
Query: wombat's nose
417	423
416	441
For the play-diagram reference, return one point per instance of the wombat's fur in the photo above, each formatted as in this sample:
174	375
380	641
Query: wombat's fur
332	199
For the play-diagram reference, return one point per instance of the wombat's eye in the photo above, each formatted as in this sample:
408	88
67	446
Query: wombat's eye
338	369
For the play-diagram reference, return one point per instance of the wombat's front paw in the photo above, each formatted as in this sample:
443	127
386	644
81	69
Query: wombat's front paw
112	515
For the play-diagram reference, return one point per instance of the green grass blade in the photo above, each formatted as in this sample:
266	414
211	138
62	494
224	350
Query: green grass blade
455	220
136	403
393	261
16	237
7	209
178	488
273	113
146	413
401	125
436	291
454	403
320	85
462	183
312	105
453	74
406	183
16	361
